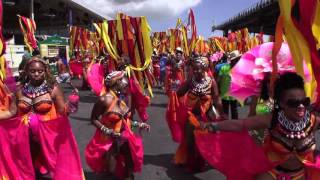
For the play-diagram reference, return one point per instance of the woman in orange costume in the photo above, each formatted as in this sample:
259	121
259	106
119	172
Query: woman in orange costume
174	72
156	68
41	104
200	96
290	143
174	77
114	147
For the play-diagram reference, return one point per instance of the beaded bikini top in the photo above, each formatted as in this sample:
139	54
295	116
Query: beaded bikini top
34	99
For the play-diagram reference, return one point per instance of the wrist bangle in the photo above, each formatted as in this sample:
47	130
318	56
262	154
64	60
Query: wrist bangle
105	130
135	124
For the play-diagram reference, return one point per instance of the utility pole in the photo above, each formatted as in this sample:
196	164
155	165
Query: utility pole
31	10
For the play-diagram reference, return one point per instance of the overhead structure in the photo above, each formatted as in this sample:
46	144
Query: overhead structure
52	17
261	17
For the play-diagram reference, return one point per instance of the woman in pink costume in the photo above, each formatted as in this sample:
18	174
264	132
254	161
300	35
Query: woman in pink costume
41	105
114	147
289	148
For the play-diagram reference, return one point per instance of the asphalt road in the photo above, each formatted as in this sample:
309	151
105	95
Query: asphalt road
158	146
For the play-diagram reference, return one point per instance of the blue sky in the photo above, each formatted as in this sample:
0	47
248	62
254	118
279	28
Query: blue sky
206	13
163	14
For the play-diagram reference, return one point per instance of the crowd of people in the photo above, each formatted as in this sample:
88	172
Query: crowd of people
280	118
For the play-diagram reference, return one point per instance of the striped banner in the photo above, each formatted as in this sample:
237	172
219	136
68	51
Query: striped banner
28	28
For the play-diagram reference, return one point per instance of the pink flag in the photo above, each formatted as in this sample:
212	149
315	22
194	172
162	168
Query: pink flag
96	78
235	154
141	101
59	149
15	157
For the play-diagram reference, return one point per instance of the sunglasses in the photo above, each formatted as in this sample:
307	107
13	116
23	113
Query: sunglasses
294	103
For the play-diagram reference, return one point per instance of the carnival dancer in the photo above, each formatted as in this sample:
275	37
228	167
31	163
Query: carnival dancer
173	80
200	99
115	148
162	64
156	67
41	104
75	66
85	64
224	79
262	104
63	72
289	147
175	71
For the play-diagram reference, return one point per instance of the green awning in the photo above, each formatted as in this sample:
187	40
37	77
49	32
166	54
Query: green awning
55	40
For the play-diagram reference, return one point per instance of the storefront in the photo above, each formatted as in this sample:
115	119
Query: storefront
53	45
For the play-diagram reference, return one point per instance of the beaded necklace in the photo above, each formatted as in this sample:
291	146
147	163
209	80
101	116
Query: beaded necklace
201	88
295	129
32	92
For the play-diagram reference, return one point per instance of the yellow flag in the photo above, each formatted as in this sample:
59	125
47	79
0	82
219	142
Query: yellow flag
298	45
316	25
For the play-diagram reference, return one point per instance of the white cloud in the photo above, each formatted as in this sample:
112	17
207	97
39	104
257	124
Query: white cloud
152	9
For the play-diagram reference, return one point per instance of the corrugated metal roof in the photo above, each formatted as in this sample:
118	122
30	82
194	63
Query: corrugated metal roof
248	15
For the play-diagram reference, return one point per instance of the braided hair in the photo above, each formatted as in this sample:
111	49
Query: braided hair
286	82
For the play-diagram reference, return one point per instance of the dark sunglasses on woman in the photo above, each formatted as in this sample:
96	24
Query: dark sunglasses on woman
294	103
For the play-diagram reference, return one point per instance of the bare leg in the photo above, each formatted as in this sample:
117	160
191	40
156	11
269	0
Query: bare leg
110	162
125	150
